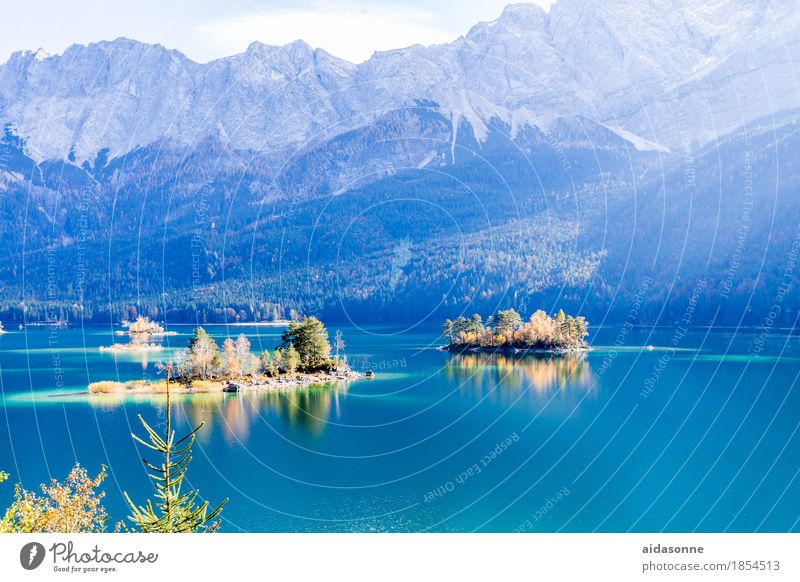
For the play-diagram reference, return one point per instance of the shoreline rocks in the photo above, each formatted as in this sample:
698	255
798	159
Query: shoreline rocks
222	385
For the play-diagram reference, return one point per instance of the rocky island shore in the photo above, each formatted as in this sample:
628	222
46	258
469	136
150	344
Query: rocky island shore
208	386
304	357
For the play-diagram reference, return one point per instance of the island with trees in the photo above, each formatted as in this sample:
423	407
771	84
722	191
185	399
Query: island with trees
141	332
507	331
305	356
145	327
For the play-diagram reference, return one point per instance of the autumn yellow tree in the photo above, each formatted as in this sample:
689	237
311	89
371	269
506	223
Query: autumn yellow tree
231	359
73	506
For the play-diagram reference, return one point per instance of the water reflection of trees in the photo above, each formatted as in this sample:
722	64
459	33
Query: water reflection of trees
308	409
145	357
541	373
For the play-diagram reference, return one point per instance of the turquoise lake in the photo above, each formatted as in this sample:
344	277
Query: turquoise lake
702	437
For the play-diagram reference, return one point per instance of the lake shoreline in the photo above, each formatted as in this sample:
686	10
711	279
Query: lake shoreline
260	384
299	381
512	350
131	348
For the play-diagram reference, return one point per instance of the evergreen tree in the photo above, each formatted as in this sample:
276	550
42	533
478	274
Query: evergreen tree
276	364
447	330
269	363
566	328
310	338
507	321
581	328
459	327
173	511
475	325
291	360
490	326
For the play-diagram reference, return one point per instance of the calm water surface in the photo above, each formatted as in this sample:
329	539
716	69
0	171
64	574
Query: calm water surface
702	438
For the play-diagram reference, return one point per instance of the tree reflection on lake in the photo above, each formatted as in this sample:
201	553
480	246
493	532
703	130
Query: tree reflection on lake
308	408
541	373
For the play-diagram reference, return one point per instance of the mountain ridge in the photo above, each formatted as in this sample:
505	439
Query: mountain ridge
496	170
527	67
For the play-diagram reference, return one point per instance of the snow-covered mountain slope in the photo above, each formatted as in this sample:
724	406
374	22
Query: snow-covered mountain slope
680	72
672	73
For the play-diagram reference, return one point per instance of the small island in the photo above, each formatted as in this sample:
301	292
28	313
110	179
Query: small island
140	332
507	332
135	347
305	356
144	328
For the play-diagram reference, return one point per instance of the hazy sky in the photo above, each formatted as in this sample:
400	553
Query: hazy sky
207	29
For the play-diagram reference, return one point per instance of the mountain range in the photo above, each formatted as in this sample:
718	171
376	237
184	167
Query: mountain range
597	156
